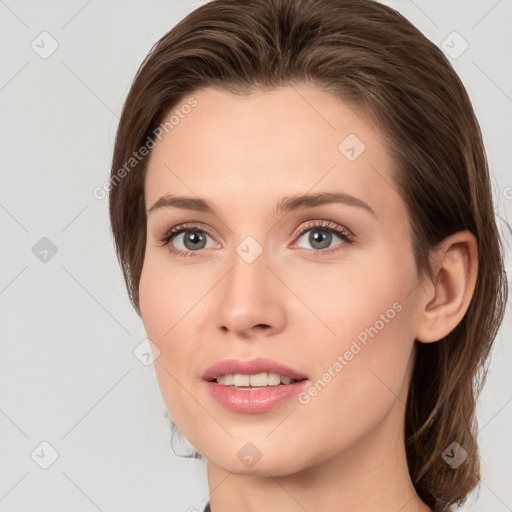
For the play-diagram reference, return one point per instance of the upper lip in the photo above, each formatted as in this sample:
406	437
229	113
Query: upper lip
250	367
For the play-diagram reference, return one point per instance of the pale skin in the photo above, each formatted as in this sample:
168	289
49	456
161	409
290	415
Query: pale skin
296	303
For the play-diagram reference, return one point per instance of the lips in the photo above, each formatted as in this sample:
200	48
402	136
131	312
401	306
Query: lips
253	399
251	367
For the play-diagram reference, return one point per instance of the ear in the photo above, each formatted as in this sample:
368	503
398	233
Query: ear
444	301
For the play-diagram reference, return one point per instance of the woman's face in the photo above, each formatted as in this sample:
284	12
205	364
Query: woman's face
325	285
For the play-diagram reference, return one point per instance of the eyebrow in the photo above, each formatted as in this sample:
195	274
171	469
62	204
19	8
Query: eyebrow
287	204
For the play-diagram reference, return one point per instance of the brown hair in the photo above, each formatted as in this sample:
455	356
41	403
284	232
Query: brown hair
370	56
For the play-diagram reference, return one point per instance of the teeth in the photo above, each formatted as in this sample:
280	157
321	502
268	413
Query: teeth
260	379
273	379
241	380
257	380
227	380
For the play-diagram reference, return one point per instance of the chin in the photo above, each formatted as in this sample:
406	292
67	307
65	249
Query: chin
249	460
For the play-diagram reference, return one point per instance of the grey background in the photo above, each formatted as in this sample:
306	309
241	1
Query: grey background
68	374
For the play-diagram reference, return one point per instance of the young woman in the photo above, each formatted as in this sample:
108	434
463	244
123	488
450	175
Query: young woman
301	206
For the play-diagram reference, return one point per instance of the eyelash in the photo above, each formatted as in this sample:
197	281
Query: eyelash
324	225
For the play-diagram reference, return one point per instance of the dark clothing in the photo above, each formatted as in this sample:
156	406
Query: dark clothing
437	509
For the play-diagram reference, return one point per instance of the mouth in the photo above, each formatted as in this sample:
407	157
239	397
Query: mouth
253	386
256	380
258	372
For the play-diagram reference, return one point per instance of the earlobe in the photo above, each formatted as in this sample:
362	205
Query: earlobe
445	300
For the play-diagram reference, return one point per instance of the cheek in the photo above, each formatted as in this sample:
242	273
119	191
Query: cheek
364	300
372	315
166	295
383	326
164	305
361	374
153	300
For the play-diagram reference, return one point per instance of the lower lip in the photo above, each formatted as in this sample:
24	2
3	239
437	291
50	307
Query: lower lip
254	400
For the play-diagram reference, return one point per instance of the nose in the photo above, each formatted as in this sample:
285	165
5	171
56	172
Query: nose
250	299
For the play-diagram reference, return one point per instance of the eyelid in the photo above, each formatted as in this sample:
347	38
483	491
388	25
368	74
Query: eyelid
180	228
323	224
342	232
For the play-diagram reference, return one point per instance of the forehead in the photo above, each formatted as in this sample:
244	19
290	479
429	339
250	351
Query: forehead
267	144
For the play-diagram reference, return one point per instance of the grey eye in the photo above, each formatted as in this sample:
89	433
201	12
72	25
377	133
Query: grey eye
191	240
319	238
